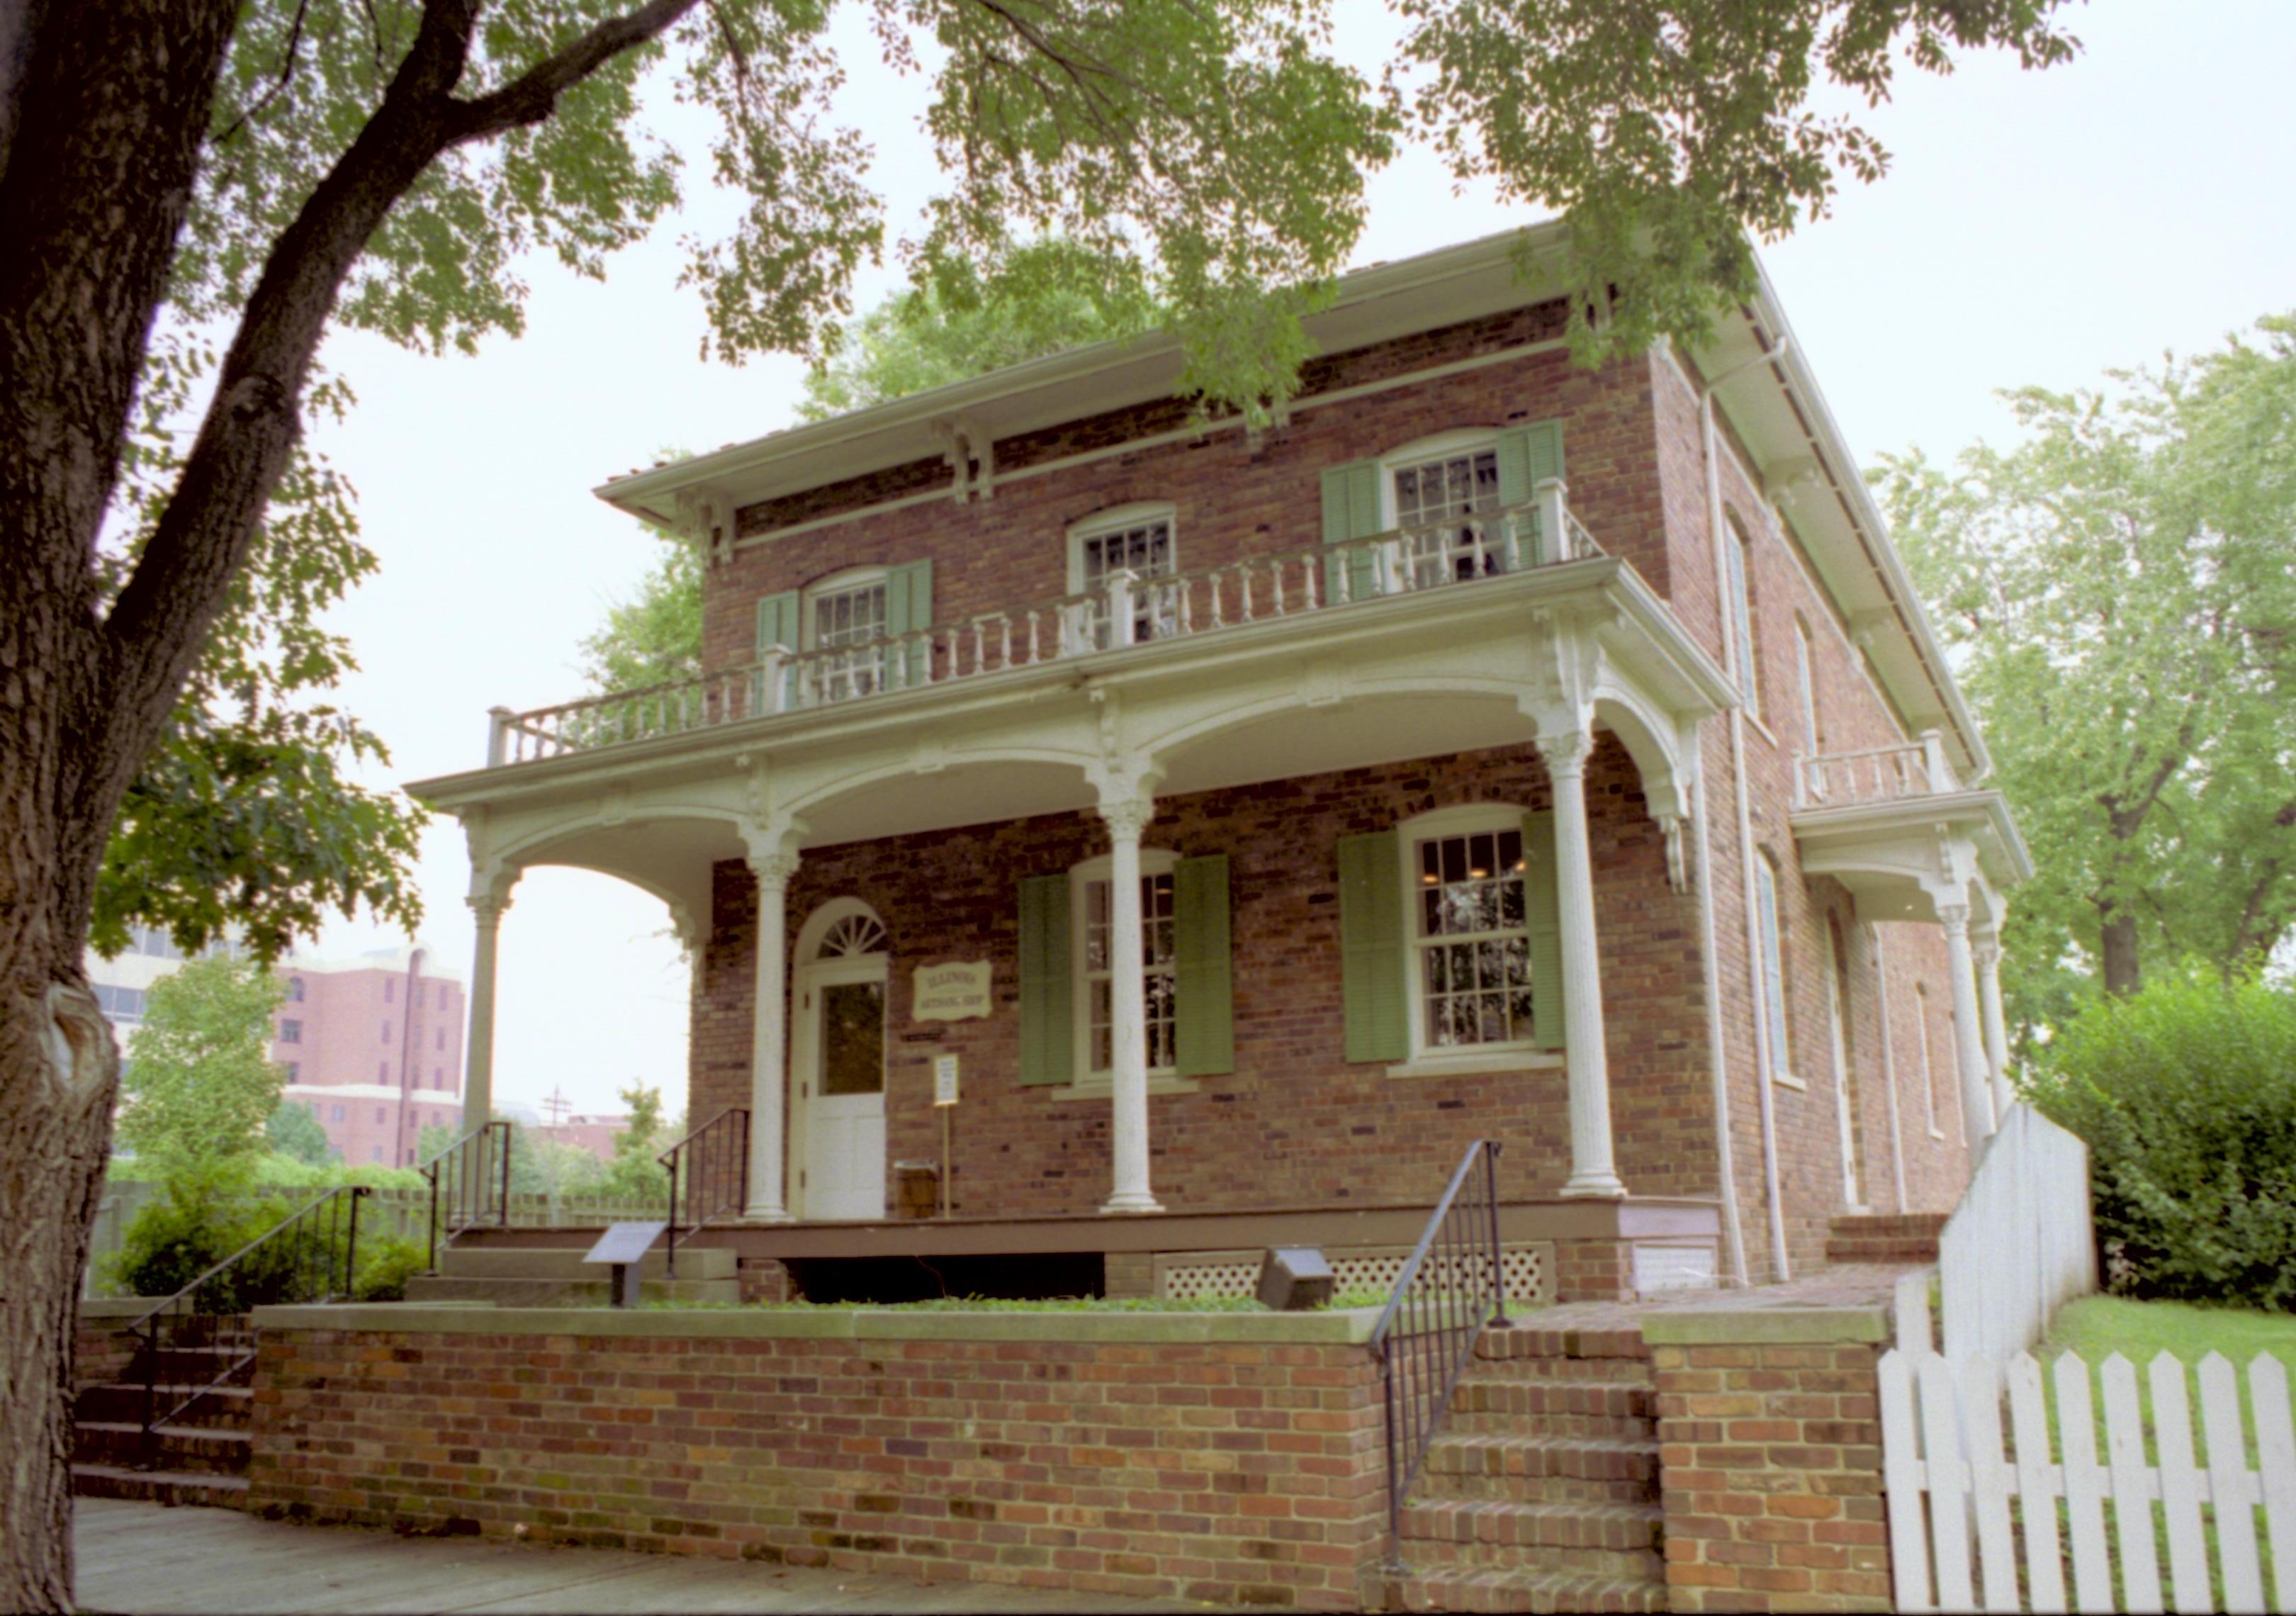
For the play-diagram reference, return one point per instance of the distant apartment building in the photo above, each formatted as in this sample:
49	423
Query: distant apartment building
372	1045
585	1131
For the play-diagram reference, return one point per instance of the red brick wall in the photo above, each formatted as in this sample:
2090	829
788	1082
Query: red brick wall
1770	1474
1295	1125
1229	1472
1851	715
1233	495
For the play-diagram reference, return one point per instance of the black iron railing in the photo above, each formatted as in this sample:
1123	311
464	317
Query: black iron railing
470	1184
709	1174
198	1339
1449	1292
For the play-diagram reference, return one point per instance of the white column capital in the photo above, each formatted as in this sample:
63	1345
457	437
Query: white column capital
1564	751
774	870
1986	947
488	908
1128	818
1955	919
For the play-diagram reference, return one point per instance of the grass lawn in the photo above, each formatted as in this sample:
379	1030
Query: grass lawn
2097	1327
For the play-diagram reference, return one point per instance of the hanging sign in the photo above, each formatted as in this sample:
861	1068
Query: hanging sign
957	991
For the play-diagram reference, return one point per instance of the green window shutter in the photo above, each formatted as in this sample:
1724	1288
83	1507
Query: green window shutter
1542	909
780	618
1203	978
1371	948
777	621
1527	456
909	608
1350	511
1047	1045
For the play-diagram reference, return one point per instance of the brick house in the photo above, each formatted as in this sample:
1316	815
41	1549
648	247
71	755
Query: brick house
1492	747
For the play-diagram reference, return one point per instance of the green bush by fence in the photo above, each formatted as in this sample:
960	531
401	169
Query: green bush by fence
2186	1095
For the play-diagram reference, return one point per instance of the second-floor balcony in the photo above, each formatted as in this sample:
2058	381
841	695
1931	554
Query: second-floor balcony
1895	773
1126	612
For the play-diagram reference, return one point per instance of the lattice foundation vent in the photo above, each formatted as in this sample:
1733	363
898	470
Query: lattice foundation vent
1527	1270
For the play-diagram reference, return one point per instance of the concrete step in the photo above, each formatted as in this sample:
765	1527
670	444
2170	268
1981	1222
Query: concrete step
219	1408
522	1292
1618	1542
197	1449
1538	1469
1466	1587
159	1485
565	1263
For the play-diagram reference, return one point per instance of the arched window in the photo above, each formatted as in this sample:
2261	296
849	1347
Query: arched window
1774	980
1806	673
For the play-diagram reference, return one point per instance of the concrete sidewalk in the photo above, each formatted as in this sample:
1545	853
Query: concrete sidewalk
136	1559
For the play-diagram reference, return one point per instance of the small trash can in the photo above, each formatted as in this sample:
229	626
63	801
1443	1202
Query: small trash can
918	1189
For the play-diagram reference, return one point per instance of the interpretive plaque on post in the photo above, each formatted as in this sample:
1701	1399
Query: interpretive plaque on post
623	1248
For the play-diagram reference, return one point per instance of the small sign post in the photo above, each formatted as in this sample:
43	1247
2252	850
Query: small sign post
623	1248
944	1091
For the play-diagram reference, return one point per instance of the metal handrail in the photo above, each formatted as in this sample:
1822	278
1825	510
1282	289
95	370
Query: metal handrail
1449	1292
713	1163
325	1228
469	1184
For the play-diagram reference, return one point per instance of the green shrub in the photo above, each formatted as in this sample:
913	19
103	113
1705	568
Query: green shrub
195	1224
2186	1095
386	1262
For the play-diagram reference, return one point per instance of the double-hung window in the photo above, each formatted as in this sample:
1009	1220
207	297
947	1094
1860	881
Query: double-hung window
1735	554
1774	985
1450	942
846	618
1135	540
1444	505
1472	938
1095	957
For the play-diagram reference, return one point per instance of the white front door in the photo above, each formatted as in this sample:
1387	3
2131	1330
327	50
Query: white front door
840	1072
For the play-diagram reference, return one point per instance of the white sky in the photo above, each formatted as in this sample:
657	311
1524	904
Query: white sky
2037	228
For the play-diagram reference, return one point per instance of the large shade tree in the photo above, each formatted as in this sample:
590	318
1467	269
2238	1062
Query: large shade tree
264	169
2118	588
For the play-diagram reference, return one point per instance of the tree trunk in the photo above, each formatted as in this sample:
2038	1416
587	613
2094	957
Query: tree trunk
2121	975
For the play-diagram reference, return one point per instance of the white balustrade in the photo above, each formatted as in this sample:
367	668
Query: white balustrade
1875	773
1127	610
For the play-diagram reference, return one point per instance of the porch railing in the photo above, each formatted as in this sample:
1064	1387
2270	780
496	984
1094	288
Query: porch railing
198	1339
470	1184
709	1176
1877	774
1451	1289
1126	609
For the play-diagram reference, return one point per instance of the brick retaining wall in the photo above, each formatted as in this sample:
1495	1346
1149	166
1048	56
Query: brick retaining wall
1225	1457
1770	1458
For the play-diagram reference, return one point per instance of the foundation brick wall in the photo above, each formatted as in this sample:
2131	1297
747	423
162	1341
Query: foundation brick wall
1295	1124
1228	1471
1770	1460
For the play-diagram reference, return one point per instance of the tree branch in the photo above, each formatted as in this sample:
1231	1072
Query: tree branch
533	95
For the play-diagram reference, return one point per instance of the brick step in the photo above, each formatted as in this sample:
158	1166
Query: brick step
1924	1225
159	1485
1459	1587
1525	1469
1580	1540
1529	1338
192	1366
221	1408
199	1449
1894	1254
1560	1371
1628	1407
1884	1237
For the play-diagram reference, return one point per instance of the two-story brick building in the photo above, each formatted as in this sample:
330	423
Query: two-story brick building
1493	747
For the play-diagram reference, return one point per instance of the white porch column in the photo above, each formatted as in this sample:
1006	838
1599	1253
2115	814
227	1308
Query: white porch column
1987	950
486	908
1127	1018
1968	1042
769	1056
1592	1169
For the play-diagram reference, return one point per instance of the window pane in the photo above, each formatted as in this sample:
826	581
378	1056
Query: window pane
1475	970
853	1038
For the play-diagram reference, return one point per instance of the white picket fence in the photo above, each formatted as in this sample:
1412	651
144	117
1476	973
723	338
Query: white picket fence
2021	1242
1973	1528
